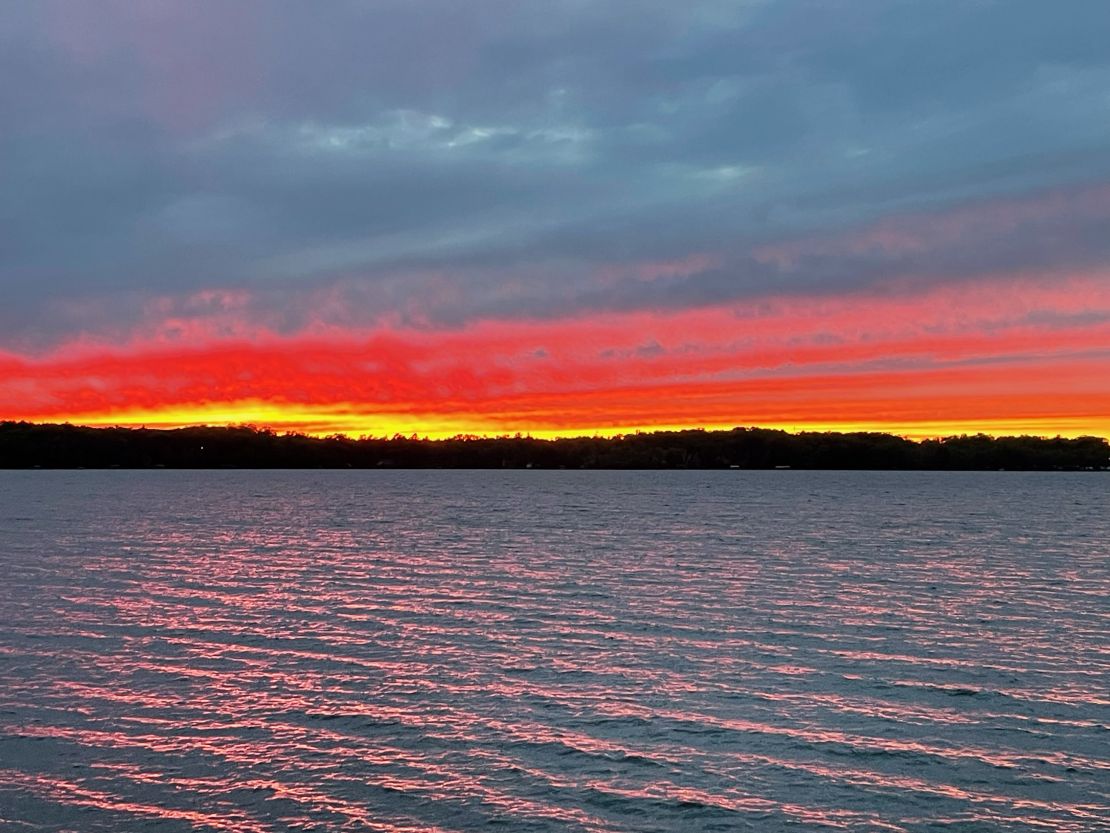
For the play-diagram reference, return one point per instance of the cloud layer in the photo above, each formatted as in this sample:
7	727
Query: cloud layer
177	176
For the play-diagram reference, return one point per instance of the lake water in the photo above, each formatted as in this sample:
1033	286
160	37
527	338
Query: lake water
550	651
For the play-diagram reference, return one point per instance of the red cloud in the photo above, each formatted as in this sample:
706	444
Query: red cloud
1000	353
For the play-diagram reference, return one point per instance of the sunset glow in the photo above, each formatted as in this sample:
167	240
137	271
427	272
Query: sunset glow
1009	357
563	416
372	241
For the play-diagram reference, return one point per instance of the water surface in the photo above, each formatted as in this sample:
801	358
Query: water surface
549	651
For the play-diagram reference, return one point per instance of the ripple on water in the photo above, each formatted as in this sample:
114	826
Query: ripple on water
541	651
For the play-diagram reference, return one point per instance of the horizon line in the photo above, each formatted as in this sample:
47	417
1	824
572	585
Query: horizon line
954	430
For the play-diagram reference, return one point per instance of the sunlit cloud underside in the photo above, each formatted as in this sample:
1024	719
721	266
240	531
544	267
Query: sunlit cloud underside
437	218
1010	356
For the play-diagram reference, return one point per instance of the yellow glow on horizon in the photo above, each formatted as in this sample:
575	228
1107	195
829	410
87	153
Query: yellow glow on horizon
321	421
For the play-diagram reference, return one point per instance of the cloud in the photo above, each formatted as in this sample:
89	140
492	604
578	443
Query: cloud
1014	355
437	163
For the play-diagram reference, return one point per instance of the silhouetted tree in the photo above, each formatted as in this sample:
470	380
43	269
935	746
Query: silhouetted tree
26	445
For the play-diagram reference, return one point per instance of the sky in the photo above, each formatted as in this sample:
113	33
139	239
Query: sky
557	217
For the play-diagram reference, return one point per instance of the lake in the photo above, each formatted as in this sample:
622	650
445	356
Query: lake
554	651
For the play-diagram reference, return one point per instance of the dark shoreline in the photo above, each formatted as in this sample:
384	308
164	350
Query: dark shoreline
26	445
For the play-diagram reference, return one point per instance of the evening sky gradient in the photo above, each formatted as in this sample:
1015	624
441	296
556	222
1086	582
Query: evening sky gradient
559	217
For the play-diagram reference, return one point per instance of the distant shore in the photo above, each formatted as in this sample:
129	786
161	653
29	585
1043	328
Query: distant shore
26	445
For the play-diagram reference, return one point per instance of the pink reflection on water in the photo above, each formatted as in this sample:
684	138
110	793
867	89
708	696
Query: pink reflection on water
516	676
64	791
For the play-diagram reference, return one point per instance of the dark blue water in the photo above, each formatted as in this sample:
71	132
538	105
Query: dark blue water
542	651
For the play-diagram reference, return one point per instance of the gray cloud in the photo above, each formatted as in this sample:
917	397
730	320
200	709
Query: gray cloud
439	161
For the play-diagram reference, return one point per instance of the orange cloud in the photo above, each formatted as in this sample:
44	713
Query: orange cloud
1001	356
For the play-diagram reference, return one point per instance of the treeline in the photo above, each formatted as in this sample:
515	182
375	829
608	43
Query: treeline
27	445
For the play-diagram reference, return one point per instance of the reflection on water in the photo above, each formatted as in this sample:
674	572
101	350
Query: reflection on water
447	651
